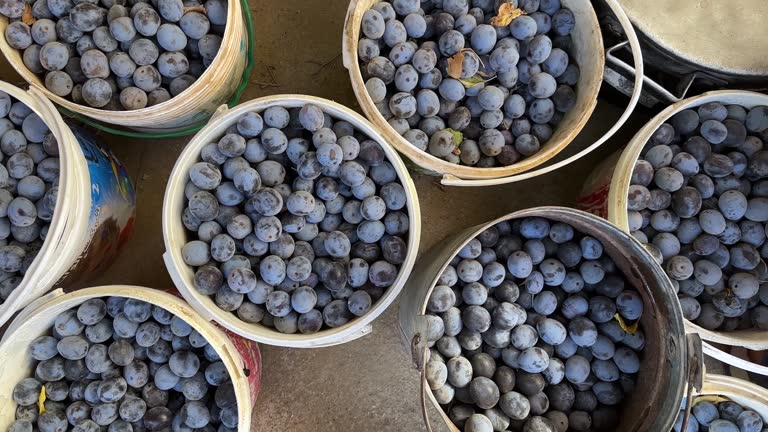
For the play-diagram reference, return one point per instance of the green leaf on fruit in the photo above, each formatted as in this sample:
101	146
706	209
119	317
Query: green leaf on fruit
458	138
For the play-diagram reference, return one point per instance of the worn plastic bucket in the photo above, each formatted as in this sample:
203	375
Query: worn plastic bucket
94	212
241	357
661	382
590	56
175	234
605	194
195	104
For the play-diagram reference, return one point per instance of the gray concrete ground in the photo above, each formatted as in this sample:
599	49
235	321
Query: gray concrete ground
368	384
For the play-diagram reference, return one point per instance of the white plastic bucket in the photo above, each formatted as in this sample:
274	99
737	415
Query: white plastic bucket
590	56
661	382
195	104
242	358
605	194
94	212
175	234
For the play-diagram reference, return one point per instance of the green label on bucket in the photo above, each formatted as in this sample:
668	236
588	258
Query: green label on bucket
113	204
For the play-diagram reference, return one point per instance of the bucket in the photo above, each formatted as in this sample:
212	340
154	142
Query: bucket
721	388
195	104
94	213
605	194
175	234
661	381
590	57
242	358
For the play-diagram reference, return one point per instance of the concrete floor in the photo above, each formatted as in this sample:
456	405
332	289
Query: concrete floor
368	384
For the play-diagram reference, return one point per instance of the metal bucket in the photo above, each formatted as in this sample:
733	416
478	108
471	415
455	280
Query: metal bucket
684	44
662	379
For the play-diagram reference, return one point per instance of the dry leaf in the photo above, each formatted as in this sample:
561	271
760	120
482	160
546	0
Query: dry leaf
714	399
476	80
27	18
456	65
458	138
41	400
629	328
198	8
507	12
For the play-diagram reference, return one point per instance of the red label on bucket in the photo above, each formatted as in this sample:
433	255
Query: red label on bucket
251	356
594	194
596	202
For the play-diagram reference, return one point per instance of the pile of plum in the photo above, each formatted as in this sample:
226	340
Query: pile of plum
299	222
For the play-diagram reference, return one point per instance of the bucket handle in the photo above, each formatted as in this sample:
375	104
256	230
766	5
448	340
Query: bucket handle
695	375
637	57
648	81
732	360
420	356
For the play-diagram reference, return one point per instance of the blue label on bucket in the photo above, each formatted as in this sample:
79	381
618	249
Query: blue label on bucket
113	204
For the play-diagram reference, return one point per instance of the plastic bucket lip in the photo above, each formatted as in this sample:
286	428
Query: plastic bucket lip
175	234
68	228
438	166
39	318
434	262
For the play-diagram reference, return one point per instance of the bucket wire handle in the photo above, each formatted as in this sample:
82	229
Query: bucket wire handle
251	60
419	356
695	375
647	81
734	360
637	56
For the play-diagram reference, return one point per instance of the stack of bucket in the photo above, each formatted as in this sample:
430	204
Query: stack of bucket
96	212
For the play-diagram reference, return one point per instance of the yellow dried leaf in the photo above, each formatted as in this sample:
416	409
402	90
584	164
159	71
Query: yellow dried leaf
458	138
455	65
629	328
27	17
476	80
198	8
41	400
507	12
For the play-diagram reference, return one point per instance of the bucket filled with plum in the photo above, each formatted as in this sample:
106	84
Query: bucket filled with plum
693	186
475	89
124	358
548	319
290	221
